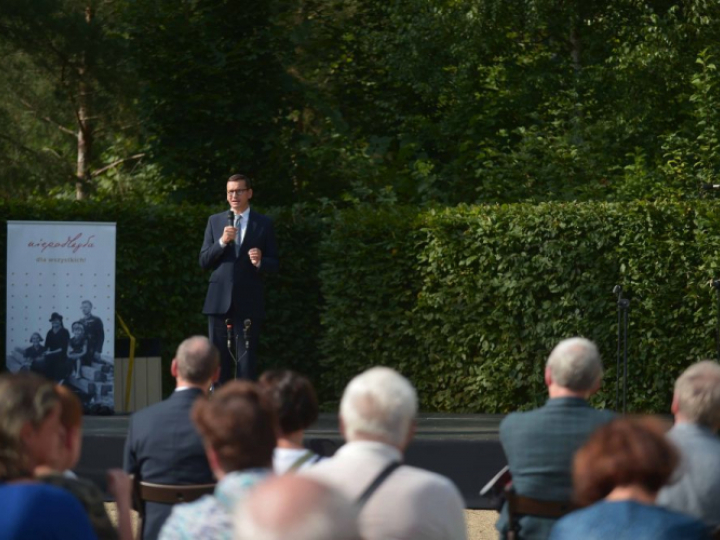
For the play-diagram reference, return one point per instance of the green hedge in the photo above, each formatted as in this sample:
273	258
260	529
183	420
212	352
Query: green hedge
465	301
469	301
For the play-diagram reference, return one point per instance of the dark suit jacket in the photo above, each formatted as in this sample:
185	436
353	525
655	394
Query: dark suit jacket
163	446
234	277
539	446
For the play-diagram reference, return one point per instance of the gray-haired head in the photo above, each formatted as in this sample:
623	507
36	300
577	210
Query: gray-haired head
197	360
575	364
297	507
697	394
379	404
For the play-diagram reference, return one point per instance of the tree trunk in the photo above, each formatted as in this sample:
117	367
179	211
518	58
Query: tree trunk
575	47
575	50
85	131
84	138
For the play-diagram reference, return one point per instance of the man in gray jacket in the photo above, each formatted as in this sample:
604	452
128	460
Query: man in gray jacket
540	444
696	406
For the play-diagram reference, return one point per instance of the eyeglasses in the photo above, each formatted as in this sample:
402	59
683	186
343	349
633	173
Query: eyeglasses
237	191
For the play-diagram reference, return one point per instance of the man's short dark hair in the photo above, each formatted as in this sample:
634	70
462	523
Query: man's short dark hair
293	397
197	359
240	178
239	423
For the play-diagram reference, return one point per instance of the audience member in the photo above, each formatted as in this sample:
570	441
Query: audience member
163	446
619	473
296	507
377	419
540	444
238	429
30	428
696	406
57	472
296	405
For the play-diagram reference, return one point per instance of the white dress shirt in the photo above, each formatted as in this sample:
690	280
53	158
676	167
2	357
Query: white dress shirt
241	223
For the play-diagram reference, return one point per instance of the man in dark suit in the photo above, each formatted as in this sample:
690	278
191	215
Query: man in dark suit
94	331
162	444
239	247
540	444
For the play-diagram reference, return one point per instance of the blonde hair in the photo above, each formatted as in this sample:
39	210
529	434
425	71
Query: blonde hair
24	397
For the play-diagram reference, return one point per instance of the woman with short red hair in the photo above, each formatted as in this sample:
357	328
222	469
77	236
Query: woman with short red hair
617	474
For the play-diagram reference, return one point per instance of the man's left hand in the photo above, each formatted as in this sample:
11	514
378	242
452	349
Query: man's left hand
255	256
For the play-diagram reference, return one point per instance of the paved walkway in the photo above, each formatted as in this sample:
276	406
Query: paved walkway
480	523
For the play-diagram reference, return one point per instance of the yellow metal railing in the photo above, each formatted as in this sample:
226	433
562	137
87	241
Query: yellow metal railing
131	361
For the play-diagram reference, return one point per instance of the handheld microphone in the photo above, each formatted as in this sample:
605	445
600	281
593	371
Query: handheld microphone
231	221
229	325
246	327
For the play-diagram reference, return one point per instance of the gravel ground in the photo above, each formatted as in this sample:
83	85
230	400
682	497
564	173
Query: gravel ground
480	523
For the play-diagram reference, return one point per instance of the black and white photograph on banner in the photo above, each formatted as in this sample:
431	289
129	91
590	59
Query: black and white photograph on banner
60	306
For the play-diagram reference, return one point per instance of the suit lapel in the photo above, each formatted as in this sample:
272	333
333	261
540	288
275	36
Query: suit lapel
250	232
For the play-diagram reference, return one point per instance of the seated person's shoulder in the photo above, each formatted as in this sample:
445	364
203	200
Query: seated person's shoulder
157	412
32	496
81	488
193	519
605	413
603	416
34	491
427	480
519	418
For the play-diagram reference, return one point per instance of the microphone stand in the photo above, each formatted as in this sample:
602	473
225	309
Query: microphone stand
246	327
623	306
716	286
230	332
237	362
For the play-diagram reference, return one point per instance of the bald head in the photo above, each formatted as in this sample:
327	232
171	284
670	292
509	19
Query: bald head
197	360
293	506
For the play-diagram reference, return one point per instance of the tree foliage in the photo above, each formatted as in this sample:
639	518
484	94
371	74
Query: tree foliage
415	101
67	95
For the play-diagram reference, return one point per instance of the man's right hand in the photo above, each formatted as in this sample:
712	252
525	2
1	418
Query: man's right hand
229	234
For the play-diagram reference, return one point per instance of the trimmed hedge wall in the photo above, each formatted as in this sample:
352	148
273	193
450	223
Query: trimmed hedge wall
465	301
469	301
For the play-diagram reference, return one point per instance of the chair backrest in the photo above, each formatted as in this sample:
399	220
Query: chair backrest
165	493
519	505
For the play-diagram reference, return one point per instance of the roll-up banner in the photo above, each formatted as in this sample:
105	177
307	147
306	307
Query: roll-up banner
61	306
